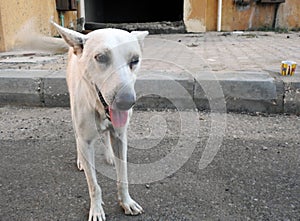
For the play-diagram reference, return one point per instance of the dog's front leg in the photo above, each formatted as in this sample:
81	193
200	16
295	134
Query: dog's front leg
119	145
86	149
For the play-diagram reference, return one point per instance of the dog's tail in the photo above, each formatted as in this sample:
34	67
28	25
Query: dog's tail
28	39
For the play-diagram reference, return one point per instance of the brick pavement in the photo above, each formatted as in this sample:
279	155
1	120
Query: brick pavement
241	51
245	65
220	51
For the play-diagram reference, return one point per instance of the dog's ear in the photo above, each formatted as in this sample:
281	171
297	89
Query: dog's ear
72	38
140	35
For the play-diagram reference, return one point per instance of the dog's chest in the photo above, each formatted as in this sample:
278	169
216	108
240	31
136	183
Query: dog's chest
102	122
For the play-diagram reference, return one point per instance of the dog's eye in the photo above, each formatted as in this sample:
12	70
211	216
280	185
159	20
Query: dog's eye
102	58
134	62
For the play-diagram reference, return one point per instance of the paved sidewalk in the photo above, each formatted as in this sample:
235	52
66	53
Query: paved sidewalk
216	71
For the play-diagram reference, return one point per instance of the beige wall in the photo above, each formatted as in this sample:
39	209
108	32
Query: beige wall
201	15
289	15
16	13
195	15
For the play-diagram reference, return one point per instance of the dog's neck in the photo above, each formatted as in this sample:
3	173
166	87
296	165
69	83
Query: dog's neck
103	102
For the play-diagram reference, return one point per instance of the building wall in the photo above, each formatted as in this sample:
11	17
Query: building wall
201	15
194	15
289	15
252	16
14	14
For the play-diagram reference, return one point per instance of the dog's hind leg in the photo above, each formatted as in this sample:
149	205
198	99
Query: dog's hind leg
119	145
109	154
87	161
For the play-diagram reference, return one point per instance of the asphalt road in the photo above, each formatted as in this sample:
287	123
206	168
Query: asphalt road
253	175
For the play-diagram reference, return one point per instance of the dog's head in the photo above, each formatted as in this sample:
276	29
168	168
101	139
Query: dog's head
110	59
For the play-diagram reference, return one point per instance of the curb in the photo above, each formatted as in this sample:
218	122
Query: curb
244	91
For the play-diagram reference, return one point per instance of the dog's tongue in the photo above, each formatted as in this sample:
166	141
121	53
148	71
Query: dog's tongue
118	118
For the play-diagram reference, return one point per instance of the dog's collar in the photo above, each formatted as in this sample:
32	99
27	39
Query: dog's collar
103	102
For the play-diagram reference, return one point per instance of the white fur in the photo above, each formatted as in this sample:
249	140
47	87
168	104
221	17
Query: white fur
87	111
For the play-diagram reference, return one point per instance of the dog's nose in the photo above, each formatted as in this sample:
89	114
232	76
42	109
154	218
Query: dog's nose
125	101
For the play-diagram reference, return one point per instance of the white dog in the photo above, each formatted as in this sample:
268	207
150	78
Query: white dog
101	74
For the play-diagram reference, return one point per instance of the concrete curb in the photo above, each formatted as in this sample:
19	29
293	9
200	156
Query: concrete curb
245	91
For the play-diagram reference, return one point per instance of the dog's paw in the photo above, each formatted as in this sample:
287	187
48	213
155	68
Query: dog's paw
109	157
79	165
131	207
110	161
96	213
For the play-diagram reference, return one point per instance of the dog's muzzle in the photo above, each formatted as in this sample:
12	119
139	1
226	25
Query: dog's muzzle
117	113
124	101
